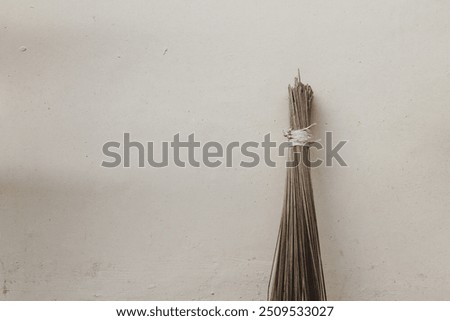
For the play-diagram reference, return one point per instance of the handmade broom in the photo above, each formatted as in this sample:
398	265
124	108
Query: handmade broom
297	266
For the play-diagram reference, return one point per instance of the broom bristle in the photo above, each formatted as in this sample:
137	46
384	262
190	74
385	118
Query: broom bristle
297	273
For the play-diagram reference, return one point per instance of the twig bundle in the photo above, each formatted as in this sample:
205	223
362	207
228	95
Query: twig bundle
297	266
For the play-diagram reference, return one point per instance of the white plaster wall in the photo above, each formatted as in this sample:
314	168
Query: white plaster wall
75	74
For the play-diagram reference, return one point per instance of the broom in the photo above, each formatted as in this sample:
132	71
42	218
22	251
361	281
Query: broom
297	273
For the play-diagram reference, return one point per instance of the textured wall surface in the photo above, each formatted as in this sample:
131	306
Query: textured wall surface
76	74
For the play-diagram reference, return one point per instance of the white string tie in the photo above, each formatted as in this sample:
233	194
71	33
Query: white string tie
299	137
